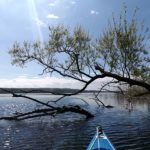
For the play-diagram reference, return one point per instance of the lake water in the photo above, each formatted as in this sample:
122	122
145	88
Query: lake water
128	129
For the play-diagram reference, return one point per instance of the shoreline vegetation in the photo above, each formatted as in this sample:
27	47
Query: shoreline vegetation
48	90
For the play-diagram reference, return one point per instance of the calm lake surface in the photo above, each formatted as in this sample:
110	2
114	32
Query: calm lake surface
128	129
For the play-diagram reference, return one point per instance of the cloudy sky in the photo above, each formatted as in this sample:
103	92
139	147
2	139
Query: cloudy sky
27	20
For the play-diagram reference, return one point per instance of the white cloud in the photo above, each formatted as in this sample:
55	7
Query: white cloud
73	2
93	12
52	16
52	4
40	22
24	81
55	3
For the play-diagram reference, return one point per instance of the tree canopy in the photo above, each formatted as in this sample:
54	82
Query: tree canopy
121	52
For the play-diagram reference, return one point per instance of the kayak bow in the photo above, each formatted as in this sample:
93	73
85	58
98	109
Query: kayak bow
100	141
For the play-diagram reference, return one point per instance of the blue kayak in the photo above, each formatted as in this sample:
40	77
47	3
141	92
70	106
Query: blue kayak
100	141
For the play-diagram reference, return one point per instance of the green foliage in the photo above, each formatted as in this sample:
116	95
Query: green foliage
123	47
74	47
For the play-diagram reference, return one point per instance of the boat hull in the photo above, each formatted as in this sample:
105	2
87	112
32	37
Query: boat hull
100	142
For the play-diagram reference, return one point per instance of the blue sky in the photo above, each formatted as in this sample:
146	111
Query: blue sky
28	20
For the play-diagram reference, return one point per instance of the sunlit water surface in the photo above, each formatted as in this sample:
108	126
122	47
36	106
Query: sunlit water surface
128	129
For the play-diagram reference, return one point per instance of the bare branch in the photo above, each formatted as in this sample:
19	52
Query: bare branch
49	112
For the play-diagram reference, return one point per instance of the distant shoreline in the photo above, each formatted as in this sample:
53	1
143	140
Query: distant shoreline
47	90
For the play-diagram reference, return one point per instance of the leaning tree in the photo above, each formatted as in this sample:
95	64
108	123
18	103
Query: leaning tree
120	54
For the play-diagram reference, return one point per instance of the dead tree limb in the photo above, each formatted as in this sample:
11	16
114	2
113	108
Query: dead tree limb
49	112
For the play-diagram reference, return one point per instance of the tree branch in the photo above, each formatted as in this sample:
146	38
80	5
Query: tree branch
49	112
123	79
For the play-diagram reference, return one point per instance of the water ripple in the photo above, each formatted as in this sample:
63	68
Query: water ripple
127	130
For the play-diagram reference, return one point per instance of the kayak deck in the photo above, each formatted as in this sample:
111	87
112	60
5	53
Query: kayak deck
100	142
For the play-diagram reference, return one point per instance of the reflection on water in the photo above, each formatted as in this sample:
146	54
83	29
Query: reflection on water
127	128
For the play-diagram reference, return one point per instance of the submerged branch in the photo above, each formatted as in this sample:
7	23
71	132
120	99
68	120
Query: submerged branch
49	112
